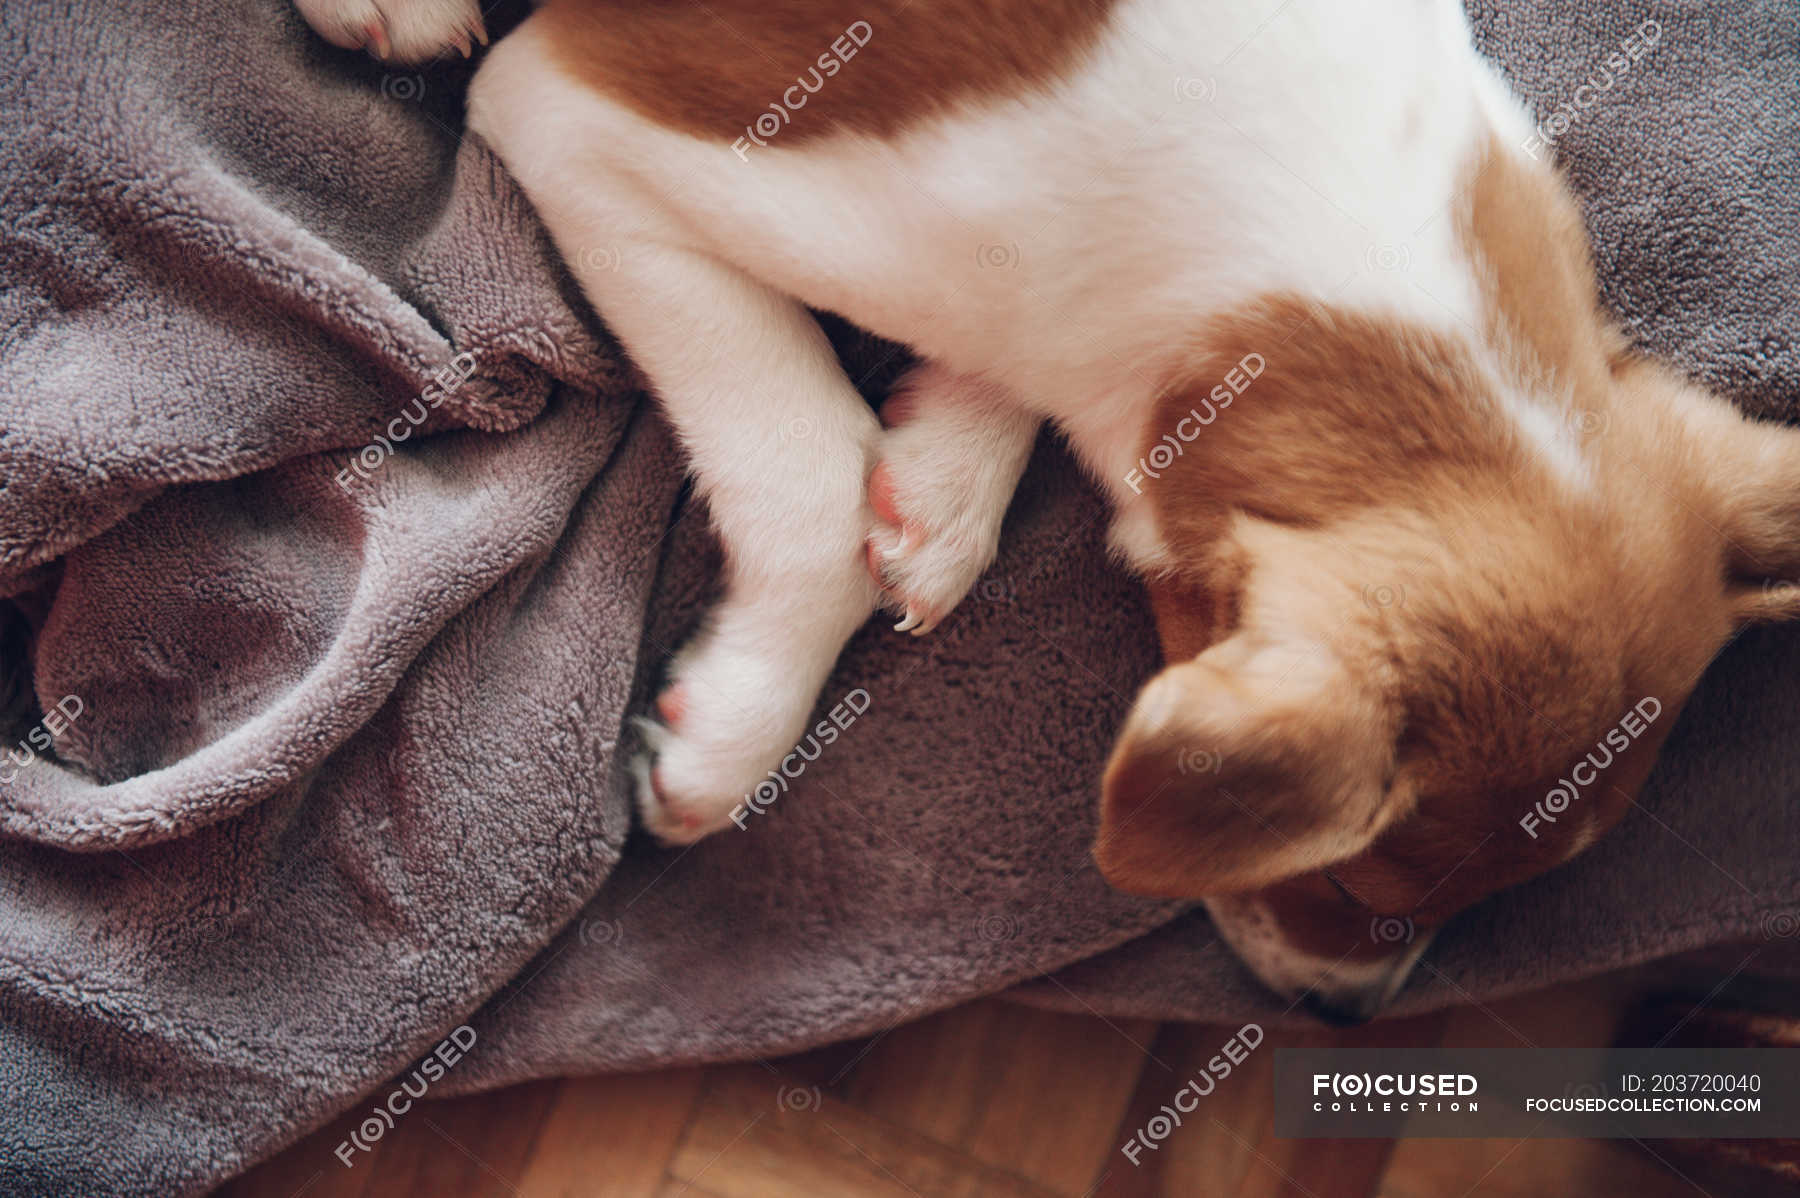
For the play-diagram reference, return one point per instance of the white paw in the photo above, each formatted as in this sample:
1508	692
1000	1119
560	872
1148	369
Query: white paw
949	464
737	704
405	31
924	552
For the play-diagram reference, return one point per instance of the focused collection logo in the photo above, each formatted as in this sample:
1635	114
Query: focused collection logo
1390	1093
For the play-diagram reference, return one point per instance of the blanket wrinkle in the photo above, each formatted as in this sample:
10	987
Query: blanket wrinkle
350	763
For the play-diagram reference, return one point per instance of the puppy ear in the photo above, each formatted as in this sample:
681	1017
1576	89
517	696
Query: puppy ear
1748	475
1246	766
1755	472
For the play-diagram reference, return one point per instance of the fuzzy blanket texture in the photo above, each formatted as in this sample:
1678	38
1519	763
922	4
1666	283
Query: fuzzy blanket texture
317	743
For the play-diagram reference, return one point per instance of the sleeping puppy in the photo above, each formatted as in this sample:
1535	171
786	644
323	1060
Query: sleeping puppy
1435	559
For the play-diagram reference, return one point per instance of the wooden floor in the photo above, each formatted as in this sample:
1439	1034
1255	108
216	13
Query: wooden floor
990	1099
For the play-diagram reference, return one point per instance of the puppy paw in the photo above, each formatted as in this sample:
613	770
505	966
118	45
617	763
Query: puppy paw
401	31
679	812
949	463
922	553
737	704
698	762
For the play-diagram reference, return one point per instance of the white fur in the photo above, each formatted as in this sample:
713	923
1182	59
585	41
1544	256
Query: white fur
955	462
1066	246
400	30
1060	249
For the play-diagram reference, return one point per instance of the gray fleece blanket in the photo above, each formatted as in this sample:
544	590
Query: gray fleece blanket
337	542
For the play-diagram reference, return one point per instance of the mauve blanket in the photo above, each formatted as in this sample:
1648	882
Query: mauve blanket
337	543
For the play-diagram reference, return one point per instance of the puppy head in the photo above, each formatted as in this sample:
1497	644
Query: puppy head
1426	623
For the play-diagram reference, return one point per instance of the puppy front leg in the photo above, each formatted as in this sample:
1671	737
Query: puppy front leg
780	445
407	31
950	462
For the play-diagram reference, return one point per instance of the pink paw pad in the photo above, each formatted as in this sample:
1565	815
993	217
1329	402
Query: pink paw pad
687	819
671	705
920	618
881	495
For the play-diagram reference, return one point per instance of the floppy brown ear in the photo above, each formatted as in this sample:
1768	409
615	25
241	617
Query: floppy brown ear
1756	474
1243	767
1749	479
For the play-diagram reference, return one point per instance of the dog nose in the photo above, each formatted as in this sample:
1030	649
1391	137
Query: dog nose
1338	1011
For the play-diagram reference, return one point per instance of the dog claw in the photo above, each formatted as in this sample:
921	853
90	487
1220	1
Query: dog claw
376	39
916	622
918	619
653	734
640	776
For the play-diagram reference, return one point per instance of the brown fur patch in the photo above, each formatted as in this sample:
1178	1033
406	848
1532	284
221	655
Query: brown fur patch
1192	614
1380	502
1325	919
1351	411
710	67
1524	231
